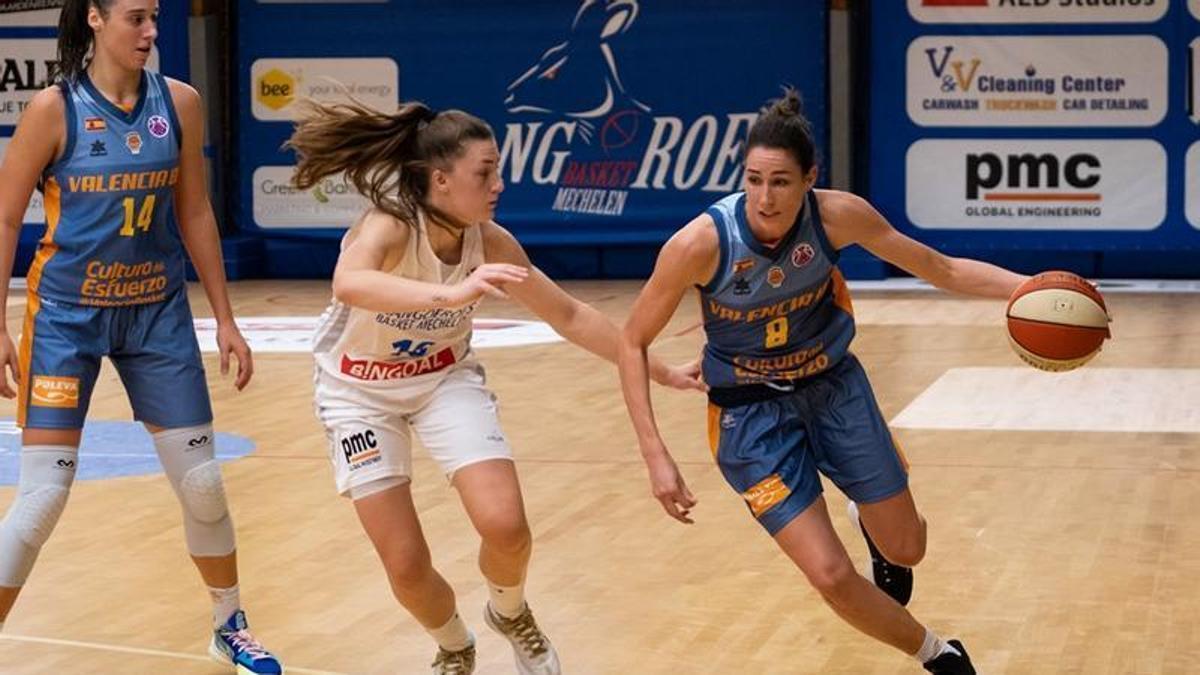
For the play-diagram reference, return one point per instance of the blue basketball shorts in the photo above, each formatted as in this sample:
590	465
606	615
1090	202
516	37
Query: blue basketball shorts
153	347
772	451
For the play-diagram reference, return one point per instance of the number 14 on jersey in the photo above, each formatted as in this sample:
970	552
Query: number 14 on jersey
144	215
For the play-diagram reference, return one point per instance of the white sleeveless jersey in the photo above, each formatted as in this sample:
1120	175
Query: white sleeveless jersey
413	349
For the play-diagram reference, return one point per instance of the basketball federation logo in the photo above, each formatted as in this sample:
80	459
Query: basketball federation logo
802	255
158	126
775	276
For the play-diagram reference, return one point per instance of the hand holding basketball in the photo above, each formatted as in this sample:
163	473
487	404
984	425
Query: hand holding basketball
1057	321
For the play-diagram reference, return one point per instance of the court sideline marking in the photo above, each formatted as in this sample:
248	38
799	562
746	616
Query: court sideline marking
143	651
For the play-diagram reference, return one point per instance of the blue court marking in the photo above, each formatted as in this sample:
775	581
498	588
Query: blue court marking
110	450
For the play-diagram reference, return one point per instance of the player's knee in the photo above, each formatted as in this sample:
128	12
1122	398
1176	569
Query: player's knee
47	473
407	567
903	546
906	551
507	533
187	456
202	493
833	578
35	512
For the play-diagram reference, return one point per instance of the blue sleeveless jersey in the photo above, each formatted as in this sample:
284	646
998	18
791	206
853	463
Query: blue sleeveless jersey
111	237
773	315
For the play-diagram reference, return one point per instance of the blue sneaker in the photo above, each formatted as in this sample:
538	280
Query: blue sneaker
232	644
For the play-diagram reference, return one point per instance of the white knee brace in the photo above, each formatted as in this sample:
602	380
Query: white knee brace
187	458
47	472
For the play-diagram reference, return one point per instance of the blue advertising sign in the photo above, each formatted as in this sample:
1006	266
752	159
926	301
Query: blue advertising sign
1051	126
617	121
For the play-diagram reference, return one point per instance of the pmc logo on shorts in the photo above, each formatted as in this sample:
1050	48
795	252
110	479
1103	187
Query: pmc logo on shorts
54	392
360	449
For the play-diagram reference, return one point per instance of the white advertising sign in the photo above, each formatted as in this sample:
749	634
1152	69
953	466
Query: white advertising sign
278	84
25	69
30	12
333	203
1036	184
293	334
1194	80
1106	80
1191	179
1038	11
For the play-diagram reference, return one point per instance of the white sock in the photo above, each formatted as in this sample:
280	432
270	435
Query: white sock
454	636
507	601
225	602
933	647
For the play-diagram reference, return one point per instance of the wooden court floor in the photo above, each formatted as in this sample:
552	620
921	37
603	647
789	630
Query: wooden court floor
1050	551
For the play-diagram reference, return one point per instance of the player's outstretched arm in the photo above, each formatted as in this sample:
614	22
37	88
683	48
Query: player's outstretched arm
857	222
570	317
375	244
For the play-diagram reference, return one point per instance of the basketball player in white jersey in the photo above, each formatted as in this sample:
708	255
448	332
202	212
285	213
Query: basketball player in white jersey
393	354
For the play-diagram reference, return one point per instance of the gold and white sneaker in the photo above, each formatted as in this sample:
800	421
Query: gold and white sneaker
461	662
531	648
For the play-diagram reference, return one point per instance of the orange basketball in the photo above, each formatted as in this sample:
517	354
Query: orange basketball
1057	321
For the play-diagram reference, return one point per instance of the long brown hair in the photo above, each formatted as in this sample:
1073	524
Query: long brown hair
387	157
75	37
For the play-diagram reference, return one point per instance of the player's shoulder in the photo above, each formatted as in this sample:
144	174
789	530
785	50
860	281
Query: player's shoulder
839	205
494	234
48	102
691	253
181	90
700	233
384	228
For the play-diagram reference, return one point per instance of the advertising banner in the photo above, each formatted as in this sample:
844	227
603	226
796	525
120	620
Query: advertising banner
1000	126
1038	11
616	122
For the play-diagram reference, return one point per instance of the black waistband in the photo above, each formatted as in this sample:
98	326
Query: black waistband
732	397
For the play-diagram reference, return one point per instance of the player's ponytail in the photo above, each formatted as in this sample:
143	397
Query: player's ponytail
387	157
782	124
75	38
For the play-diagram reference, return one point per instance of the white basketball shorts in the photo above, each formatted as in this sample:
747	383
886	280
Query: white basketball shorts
370	427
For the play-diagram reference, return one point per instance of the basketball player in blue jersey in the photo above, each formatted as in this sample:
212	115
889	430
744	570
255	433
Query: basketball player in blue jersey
787	399
117	152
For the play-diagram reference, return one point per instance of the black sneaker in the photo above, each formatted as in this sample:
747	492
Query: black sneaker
895	580
951	663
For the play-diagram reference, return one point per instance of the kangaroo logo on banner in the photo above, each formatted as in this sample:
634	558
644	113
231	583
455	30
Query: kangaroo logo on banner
576	126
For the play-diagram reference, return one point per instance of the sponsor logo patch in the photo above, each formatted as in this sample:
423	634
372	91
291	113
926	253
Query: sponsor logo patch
54	392
366	369
360	449
766	494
